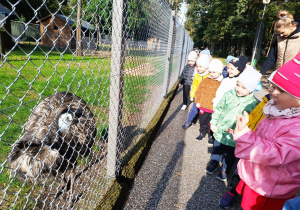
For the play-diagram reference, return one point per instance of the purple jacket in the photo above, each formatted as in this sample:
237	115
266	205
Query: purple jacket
270	158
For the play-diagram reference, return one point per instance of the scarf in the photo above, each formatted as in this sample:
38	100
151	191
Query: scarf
271	111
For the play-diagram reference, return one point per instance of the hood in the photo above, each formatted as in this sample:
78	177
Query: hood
267	98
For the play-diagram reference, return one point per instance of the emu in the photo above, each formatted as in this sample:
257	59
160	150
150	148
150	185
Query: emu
59	130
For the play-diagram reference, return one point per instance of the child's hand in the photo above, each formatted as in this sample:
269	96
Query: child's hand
241	122
229	130
197	105
213	128
180	85
192	99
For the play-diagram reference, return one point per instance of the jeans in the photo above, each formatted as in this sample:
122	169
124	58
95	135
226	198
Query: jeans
223	153
193	113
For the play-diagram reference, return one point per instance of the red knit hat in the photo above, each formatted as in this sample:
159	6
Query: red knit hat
287	77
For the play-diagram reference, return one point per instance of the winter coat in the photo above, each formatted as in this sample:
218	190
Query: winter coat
187	75
224	115
197	79
270	157
283	50
258	113
224	72
206	92
226	85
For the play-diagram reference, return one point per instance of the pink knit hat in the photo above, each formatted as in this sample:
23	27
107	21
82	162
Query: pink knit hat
287	77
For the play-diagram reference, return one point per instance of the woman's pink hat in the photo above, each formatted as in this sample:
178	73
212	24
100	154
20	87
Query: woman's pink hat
287	77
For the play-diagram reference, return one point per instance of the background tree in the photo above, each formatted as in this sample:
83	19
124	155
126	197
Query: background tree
25	9
229	27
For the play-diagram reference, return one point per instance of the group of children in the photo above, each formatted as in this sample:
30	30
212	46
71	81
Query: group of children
268	169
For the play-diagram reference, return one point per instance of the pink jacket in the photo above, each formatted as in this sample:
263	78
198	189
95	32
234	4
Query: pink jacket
270	157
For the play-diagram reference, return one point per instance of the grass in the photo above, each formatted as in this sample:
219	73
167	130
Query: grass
30	74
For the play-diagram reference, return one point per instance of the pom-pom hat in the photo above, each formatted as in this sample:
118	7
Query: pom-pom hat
203	61
287	77
216	65
229	58
192	56
250	79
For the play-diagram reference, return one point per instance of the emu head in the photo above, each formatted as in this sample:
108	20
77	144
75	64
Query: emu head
64	122
77	129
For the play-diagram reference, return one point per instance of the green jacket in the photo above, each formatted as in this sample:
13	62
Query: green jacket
224	115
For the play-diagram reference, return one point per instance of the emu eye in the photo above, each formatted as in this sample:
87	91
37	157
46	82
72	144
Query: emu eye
78	113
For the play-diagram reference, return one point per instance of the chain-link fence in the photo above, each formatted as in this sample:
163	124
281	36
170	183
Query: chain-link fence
76	97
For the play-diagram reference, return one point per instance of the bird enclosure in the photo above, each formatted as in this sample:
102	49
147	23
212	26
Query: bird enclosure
76	99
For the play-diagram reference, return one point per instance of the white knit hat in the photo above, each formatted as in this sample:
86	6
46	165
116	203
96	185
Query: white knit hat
250	79
216	65
192	56
203	61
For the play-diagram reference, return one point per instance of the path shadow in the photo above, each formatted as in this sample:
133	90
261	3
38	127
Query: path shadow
209	193
163	183
169	119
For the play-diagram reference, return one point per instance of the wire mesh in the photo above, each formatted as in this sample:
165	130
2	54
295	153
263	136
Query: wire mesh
63	78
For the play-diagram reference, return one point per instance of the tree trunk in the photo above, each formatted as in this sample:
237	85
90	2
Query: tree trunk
243	48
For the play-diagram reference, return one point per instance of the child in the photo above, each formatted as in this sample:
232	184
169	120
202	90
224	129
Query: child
201	73
228	59
254	118
269	158
187	77
204	95
234	101
234	68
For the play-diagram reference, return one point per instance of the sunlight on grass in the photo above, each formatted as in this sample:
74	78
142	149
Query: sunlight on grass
31	74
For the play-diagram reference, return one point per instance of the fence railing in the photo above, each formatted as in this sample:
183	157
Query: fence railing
75	100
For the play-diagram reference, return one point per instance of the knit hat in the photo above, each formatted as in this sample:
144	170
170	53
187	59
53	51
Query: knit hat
216	65
250	79
239	62
272	75
192	56
205	52
203	61
287	77
229	58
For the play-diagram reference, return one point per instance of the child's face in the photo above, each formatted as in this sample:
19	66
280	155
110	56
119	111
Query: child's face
271	89
191	63
241	90
214	74
200	69
284	100
232	70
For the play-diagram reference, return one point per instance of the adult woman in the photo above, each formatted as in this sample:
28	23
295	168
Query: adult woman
287	44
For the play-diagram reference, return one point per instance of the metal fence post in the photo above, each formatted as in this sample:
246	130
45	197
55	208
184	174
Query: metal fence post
182	52
116	84
168	57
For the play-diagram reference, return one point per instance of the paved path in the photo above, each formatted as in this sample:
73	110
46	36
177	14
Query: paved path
173	174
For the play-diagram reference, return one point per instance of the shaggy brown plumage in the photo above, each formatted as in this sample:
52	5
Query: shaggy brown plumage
60	129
